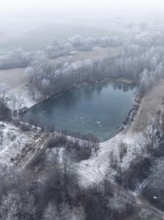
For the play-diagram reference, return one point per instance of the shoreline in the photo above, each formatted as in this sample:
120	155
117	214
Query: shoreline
125	125
128	119
82	85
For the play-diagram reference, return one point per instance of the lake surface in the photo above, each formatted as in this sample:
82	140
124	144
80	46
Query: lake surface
98	109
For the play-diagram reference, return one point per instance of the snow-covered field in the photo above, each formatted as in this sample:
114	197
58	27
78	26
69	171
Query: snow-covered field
96	53
13	77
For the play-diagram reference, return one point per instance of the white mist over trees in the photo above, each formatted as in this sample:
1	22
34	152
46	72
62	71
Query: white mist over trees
15	59
141	60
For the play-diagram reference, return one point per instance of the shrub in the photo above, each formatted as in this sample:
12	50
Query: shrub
138	170
57	141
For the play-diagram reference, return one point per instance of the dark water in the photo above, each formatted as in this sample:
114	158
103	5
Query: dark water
98	109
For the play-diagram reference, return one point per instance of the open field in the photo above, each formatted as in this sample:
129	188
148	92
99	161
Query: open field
13	77
150	106
97	52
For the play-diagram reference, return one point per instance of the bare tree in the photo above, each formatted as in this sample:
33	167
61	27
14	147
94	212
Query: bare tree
4	100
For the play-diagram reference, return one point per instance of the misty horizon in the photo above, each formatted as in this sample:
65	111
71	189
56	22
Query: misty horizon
49	9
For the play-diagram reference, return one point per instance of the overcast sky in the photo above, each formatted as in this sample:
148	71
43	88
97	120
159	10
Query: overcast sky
40	6
62	3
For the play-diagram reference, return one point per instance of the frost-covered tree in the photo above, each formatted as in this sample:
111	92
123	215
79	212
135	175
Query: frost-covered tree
68	47
76	40
4	101
16	59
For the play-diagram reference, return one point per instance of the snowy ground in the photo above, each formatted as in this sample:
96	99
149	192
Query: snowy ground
150	106
12	140
17	88
21	98
13	77
94	170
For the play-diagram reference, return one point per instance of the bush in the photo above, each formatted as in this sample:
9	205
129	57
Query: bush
37	159
57	141
90	137
25	127
123	151
5	113
74	149
78	152
139	169
106	204
60	186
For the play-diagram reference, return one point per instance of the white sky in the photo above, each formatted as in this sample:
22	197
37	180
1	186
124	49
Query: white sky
15	4
41	6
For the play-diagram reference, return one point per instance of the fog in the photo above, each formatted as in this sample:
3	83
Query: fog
48	48
50	8
62	19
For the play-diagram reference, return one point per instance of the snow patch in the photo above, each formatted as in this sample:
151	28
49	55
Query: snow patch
12	140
